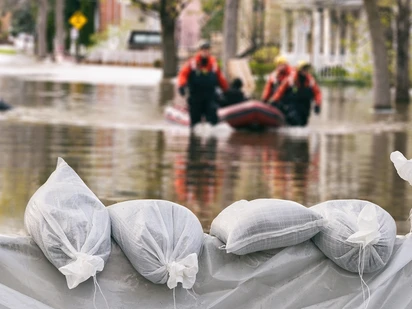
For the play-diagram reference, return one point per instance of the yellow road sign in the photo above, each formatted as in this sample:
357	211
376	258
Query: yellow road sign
78	20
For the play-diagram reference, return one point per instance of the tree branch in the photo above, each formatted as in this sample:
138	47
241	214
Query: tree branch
151	9
165	8
153	6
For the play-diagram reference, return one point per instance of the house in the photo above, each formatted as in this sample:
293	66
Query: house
321	31
126	26
328	33
125	14
189	27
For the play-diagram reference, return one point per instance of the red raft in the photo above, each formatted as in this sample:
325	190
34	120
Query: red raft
250	115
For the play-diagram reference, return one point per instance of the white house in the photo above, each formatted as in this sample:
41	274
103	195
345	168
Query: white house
321	31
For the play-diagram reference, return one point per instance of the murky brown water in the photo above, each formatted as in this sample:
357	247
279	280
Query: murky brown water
116	139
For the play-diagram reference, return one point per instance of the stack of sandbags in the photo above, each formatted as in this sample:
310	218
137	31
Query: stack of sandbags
357	235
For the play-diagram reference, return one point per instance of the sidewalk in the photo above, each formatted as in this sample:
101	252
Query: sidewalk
28	68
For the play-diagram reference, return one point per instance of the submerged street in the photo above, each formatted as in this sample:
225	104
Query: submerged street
108	124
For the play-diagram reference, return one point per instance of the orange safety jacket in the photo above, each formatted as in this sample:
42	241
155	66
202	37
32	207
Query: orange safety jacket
293	81
276	78
194	64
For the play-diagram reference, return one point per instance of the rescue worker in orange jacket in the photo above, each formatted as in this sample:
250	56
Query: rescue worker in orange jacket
282	71
201	75
301	88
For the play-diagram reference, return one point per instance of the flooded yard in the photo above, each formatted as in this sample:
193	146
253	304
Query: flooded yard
117	140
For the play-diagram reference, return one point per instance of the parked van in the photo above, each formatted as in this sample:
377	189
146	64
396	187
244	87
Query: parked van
144	40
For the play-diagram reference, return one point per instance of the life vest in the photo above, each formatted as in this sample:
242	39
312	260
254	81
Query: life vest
309	81
194	65
203	81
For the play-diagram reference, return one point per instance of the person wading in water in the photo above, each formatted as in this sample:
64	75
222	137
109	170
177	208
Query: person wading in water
294	96
282	71
202	75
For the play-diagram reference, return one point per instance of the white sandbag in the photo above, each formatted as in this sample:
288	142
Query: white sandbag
161	239
359	235
70	225
403	166
264	224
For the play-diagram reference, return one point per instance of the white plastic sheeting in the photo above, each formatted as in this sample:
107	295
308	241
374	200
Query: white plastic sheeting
295	277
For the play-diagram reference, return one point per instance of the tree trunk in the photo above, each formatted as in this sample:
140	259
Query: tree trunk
168	13
230	31
169	47
42	28
402	51
60	34
381	87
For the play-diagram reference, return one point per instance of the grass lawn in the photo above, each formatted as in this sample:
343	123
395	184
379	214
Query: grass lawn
7	52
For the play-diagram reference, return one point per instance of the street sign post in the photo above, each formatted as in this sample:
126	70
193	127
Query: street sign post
74	35
77	20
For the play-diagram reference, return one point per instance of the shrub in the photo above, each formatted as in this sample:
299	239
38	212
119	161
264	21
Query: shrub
262	61
261	69
158	63
265	55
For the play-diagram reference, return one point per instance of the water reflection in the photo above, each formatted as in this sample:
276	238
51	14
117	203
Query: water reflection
120	161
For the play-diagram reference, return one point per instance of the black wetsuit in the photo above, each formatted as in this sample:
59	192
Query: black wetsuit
202	96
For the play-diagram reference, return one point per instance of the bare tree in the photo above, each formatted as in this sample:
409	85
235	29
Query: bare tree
230	31
41	31
59	24
381	87
402	51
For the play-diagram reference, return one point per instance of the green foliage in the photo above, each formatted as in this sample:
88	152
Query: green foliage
168	9
23	20
362	69
260	85
99	37
87	8
121	32
158	64
265	55
211	6
214	9
262	61
7	52
341	76
261	69
335	72
71	6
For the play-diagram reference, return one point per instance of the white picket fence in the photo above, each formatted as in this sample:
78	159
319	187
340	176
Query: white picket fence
124	57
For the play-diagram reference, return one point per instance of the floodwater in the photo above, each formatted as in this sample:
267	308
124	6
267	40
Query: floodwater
117	140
